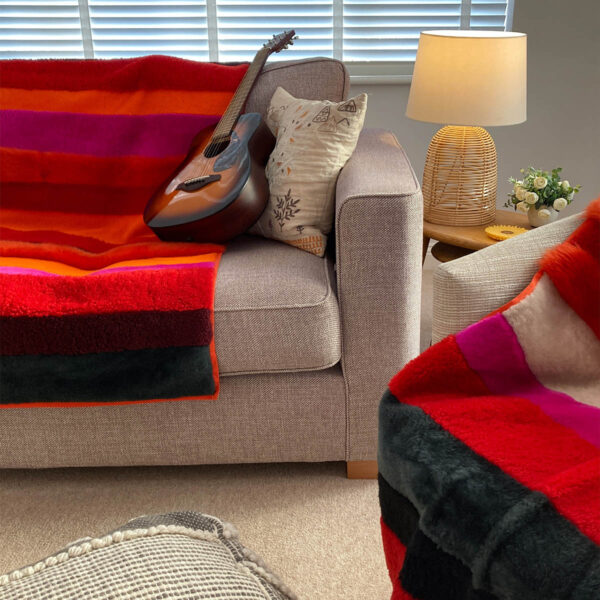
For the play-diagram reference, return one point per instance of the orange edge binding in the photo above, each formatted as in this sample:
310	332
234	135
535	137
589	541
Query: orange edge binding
213	352
530	287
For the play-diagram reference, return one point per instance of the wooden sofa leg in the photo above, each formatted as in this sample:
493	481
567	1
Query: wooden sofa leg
361	469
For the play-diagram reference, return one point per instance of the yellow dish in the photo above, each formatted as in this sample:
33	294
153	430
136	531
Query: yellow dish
503	232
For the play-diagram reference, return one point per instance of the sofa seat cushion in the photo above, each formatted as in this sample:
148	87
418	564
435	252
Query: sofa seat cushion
275	309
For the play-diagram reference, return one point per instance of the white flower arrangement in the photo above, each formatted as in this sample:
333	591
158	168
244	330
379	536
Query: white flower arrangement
539	189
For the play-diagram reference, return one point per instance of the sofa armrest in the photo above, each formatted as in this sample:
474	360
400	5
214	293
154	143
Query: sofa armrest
379	230
469	288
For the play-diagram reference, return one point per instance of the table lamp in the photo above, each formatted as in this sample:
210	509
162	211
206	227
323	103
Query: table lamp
466	80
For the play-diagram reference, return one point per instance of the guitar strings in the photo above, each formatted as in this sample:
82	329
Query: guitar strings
212	149
234	107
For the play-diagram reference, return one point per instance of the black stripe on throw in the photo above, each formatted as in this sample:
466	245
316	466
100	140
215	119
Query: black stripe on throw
155	373
397	512
428	573
105	332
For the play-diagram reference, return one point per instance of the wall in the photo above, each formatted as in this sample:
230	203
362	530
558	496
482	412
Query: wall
563	105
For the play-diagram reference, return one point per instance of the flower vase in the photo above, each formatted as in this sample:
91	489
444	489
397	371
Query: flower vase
535	220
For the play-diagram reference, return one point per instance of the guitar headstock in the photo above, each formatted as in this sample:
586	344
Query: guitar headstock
281	41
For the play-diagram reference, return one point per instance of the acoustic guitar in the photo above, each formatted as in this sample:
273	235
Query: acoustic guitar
220	190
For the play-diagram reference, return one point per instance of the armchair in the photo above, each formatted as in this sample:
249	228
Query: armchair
469	288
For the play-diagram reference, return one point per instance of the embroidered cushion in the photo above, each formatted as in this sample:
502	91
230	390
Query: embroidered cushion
176	555
315	138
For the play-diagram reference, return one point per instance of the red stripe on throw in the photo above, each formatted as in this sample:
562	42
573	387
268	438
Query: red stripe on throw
443	370
395	552
575	489
179	289
574	267
122	74
110	173
81	199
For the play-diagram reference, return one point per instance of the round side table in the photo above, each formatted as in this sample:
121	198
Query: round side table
455	241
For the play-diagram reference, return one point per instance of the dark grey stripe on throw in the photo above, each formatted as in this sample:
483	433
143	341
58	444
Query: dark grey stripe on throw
154	373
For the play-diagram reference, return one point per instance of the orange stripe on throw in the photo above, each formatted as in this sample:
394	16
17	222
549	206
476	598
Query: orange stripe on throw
89	261
101	230
58	268
118	403
139	102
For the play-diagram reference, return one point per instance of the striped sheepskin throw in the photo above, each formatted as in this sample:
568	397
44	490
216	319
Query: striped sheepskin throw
489	448
94	308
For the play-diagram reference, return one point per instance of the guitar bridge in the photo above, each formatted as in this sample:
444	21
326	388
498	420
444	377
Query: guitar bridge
196	183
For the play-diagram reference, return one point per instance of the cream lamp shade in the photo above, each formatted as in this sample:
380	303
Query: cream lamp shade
470	78
466	80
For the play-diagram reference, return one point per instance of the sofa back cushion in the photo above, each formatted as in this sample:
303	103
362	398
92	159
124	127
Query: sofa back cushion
311	78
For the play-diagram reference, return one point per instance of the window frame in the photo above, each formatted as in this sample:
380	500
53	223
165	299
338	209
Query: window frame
361	72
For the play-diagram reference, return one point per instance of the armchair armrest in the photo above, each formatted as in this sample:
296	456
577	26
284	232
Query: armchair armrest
469	288
379	232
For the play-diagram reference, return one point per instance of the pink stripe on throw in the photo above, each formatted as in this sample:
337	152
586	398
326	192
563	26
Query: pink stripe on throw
492	350
202	265
155	136
38	272
22	271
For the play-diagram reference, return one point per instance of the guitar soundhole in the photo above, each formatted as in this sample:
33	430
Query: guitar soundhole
216	147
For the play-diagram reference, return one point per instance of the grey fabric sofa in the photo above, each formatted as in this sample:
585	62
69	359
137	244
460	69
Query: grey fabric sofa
305	345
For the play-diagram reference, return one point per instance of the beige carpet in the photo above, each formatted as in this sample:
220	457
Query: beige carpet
316	529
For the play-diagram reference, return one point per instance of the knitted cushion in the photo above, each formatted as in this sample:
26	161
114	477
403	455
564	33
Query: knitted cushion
176	555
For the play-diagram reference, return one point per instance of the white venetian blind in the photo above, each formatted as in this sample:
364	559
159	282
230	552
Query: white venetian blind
389	31
244	25
40	29
124	28
379	33
491	14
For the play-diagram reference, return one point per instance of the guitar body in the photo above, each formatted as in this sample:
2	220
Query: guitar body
215	198
220	189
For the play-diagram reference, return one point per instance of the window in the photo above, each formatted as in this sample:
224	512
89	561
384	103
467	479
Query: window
373	37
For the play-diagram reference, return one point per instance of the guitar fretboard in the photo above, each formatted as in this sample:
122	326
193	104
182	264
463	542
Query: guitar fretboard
229	118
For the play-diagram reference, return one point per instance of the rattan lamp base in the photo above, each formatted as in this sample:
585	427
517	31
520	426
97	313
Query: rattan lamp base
460	177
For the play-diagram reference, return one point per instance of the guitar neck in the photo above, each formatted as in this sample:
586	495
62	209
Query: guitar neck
231	115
